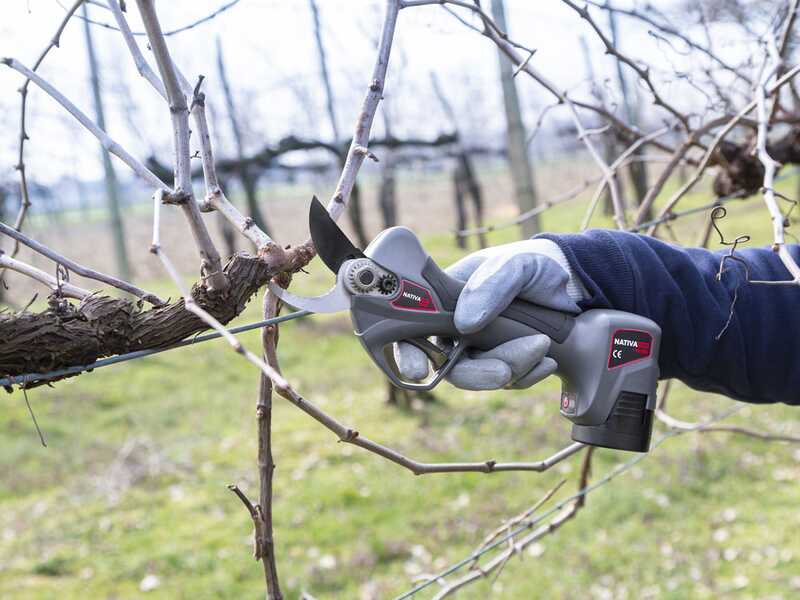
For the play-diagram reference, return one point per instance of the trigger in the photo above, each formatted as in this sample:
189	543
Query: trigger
436	355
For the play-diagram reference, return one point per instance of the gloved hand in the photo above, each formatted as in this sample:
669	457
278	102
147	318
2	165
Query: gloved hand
534	270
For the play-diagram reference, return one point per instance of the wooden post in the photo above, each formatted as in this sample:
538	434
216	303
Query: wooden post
637	169
521	170
111	183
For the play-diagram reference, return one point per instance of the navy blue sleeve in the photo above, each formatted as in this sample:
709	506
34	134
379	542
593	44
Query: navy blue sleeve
757	357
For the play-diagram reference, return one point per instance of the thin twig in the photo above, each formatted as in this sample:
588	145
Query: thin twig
105	140
266	464
704	163
302	254
68	290
144	68
517	546
179	114
642	72
674	423
665	28
509	48
212	15
25	204
215	197
33	418
80	269
356	154
608	173
570	194
566	503
614	167
783	45
771	165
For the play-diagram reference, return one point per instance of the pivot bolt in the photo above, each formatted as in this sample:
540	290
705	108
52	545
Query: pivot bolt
362	277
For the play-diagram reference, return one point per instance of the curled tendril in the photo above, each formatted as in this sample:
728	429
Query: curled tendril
791	201
717	214
62	277
57	300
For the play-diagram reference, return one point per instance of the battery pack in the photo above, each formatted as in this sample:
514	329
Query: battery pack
628	427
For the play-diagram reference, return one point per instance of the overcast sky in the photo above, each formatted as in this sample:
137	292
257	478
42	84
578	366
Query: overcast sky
270	52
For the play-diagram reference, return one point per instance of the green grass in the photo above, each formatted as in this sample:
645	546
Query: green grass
133	482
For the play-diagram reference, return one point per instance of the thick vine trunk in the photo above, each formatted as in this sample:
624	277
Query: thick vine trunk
69	335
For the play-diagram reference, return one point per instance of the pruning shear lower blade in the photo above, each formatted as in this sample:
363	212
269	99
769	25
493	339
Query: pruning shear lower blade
336	300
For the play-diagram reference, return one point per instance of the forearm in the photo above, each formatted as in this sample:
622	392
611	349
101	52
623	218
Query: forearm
755	358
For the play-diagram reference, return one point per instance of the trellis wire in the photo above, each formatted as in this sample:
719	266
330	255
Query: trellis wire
31	377
740	195
671	216
581	493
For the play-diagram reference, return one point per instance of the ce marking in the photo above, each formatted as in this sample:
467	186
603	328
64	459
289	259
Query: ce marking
616	354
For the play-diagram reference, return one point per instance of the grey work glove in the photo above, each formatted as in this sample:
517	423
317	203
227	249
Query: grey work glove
534	270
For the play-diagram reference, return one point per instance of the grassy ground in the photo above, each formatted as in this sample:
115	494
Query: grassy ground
131	493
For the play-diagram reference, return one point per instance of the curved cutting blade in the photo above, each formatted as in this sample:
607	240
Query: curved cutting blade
336	300
331	243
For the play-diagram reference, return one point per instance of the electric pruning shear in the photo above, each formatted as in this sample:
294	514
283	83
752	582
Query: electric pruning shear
395	292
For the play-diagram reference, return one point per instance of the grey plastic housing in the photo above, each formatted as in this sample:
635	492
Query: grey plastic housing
379	322
581	344
583	365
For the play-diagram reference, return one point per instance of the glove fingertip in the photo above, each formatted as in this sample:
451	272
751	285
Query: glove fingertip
546	367
481	374
541	344
411	361
468	320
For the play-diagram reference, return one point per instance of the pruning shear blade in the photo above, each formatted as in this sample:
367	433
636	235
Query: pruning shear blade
336	300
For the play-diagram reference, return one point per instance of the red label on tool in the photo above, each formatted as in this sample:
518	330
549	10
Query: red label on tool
627	346
414	297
